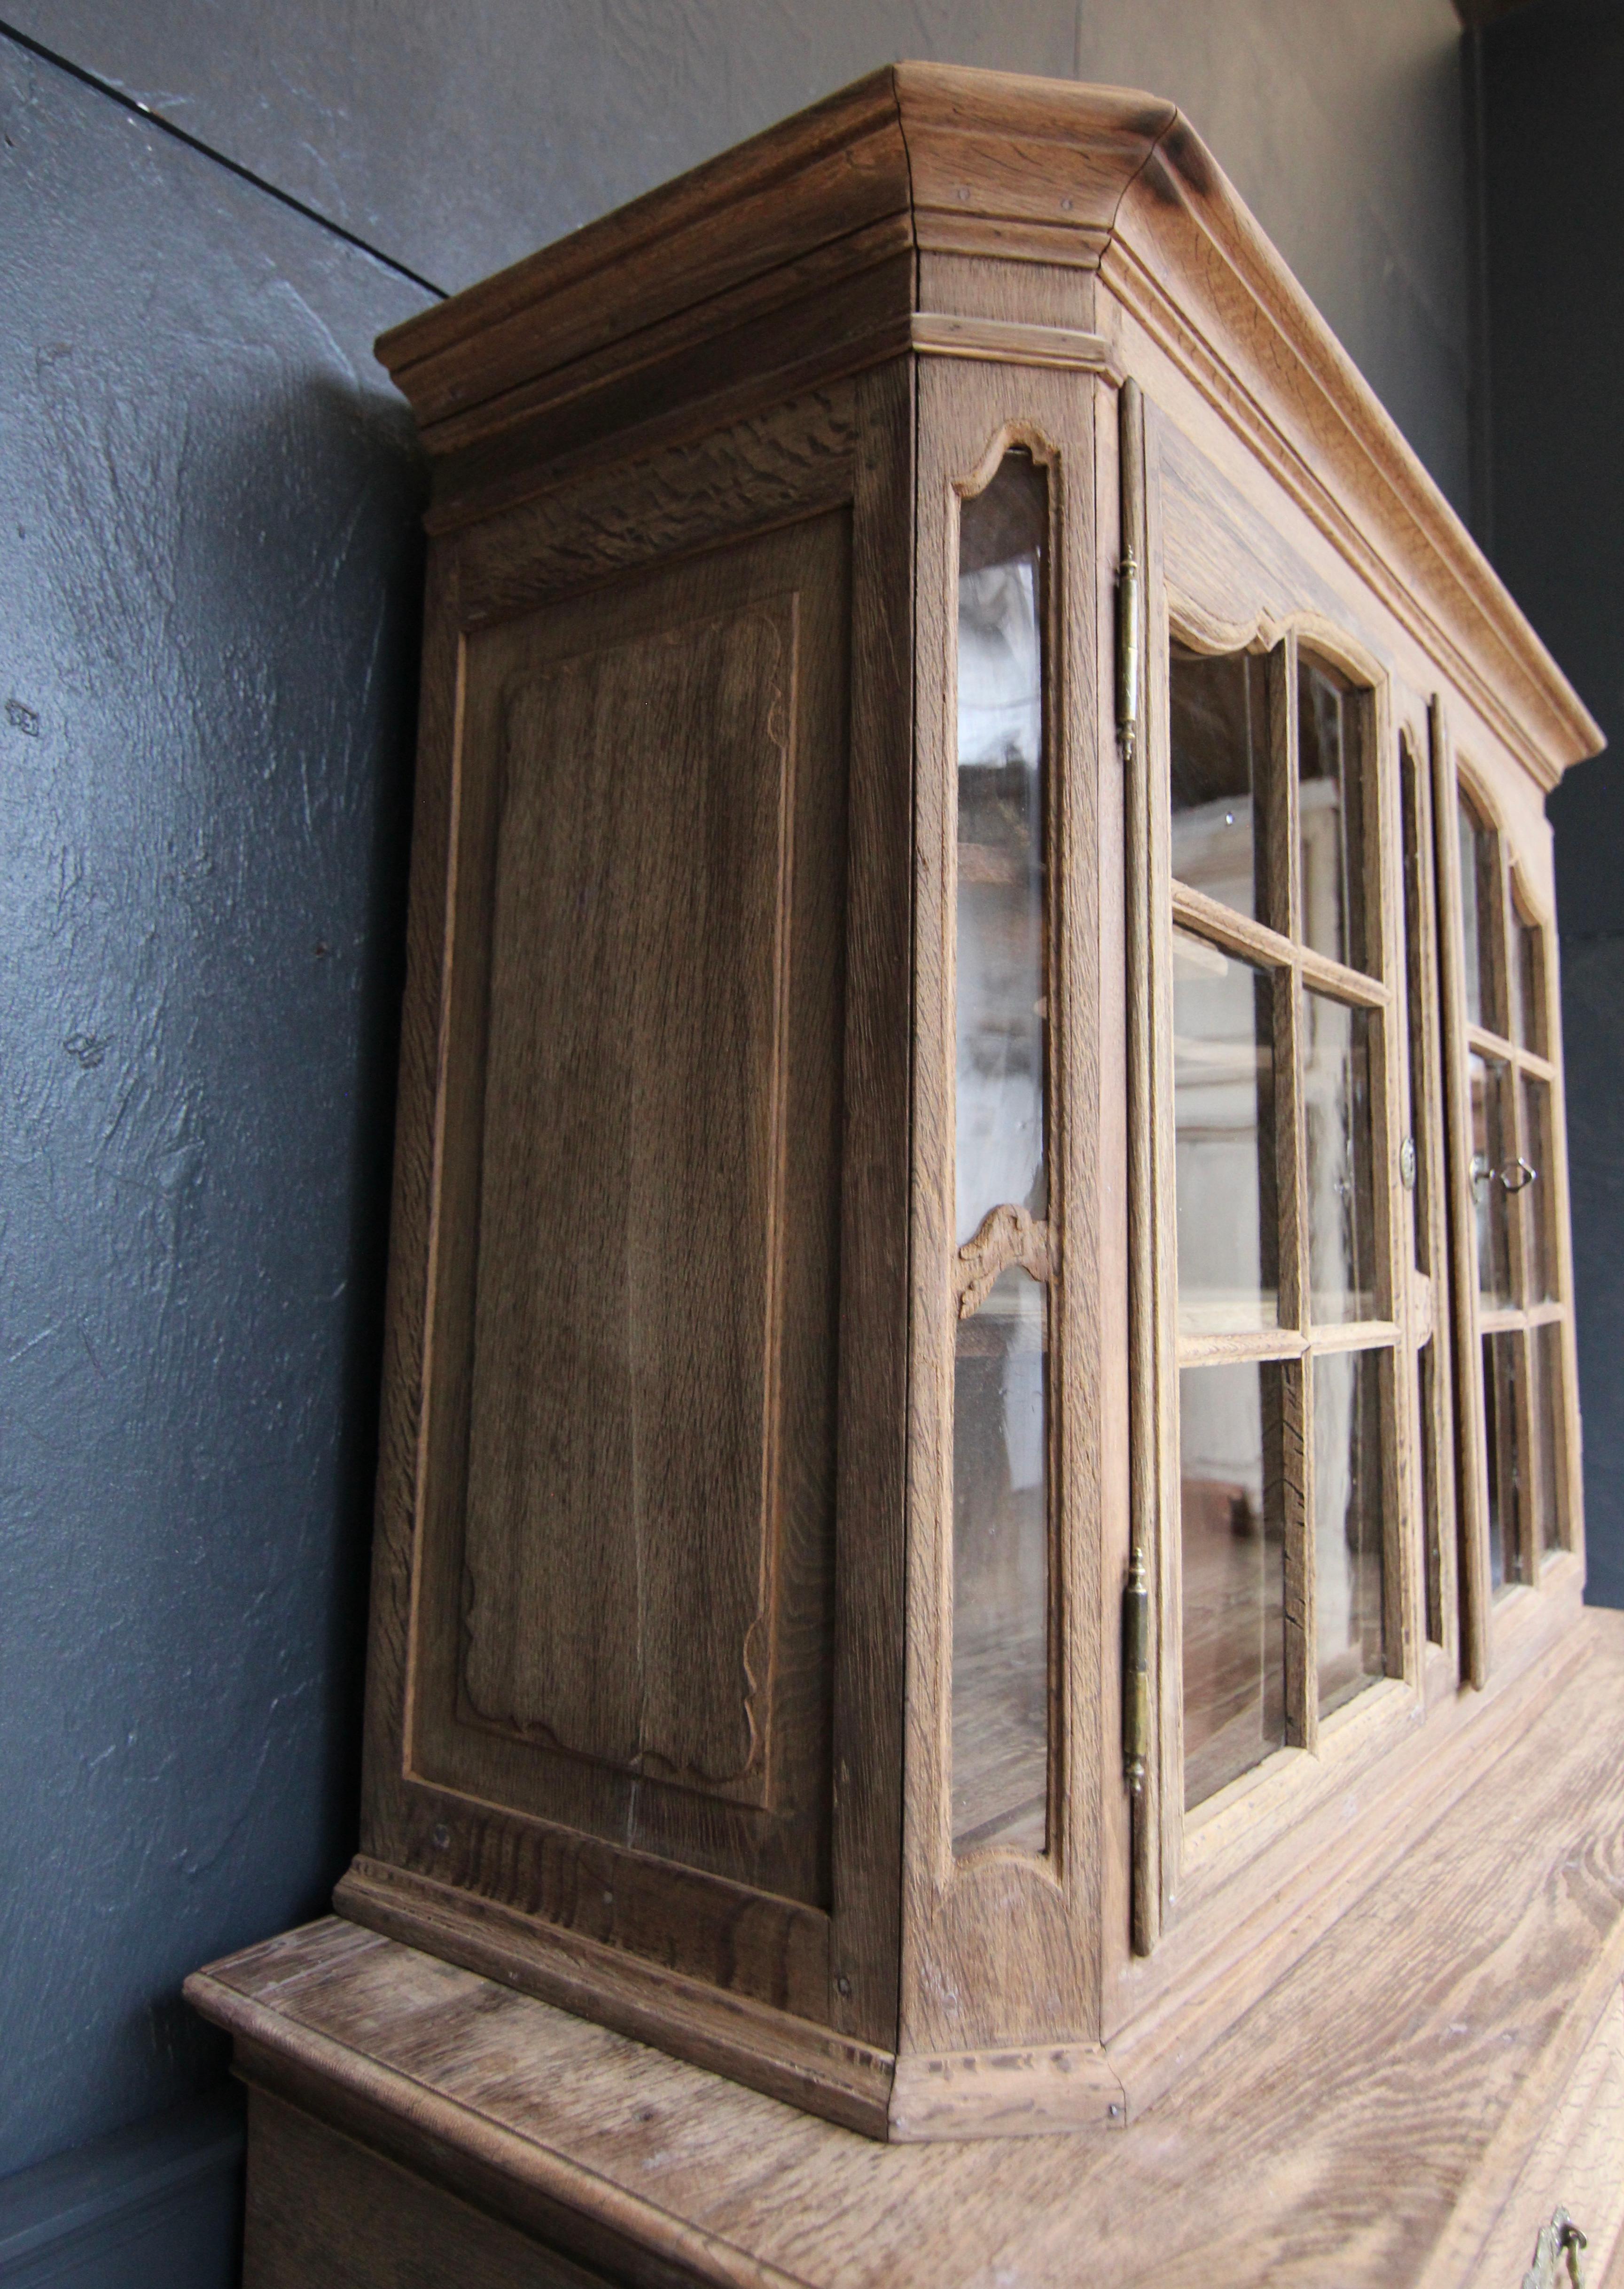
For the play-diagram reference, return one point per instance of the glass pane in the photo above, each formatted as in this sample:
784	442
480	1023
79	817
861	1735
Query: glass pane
1219	740
1001	1013
1502	1424
1491	1150
1001	1439
1000	1571
1232	1477
1538	1195
1432	1521
1530	987
1417	916
1481	922
1548	1421
1348	1512
1339	1205
1228	1217
1330	793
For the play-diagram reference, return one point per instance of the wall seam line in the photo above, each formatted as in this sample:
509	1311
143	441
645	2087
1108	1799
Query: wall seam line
132	105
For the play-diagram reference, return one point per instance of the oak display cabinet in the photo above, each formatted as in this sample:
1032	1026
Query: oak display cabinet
980	1424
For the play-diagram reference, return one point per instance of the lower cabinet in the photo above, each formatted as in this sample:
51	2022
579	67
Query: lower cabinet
1426	2099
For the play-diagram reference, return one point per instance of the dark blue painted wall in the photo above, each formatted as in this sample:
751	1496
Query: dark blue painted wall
1552	93
208	600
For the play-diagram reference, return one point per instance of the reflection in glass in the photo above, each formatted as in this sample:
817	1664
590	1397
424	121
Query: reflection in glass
1330	796
1547	1412
1501	1361
1339	1206
1001	1005
1218	735
1491	1156
1000	1411
1538	1195
1000	1571
1348	1523
1231	1486
1432	1523
1480	915
1223	1108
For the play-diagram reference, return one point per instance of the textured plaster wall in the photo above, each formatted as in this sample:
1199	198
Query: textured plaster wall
207	606
208	603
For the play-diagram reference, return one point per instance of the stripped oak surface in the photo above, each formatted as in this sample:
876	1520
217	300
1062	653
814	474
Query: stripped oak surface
1364	2124
752	1872
800	254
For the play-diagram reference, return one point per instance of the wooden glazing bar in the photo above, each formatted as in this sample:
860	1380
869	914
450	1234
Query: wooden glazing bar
1343	985
1428	1128
1531	1315
1289	1343
1496	1045
1238	933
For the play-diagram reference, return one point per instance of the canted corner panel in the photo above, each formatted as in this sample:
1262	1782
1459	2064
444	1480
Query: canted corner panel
623	1457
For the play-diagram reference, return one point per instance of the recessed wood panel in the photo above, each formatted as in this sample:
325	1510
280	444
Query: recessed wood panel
626	1556
623	1438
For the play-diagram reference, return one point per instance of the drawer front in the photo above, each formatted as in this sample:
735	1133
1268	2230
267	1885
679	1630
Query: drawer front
1577	2164
323	2212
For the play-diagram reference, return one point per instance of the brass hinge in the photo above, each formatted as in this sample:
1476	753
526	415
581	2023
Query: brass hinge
1130	591
1130	640
1135	1674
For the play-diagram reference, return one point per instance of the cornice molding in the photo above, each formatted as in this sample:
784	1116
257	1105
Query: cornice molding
827	216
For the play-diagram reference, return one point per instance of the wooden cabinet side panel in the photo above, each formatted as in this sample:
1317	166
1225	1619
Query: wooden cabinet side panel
807	1843
628	1498
622	1465
876	1162
416	1151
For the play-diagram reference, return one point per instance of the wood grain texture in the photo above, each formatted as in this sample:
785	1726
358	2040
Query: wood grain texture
877	1158
1147	1333
553	1499
1034	174
1563	2136
479	1830
661	1713
711	376
1187	259
833	169
1424	1026
321	2209
622	1462
619	513
1373	2141
999	1947
1470	1452
750	2008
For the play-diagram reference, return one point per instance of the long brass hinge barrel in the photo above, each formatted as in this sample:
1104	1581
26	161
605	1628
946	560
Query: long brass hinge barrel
1130	640
1130	577
1135	1674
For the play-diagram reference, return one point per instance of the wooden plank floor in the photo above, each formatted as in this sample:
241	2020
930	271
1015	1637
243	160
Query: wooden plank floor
1360	2127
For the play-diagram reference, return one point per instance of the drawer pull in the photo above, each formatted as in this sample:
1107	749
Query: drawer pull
1561	2238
